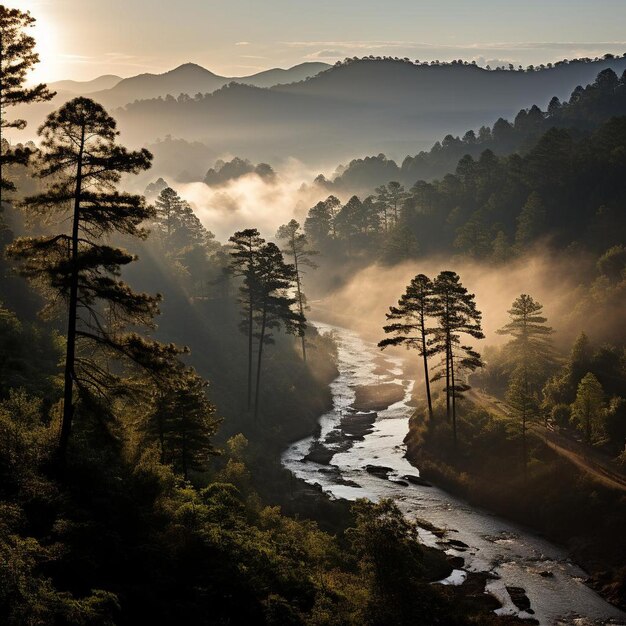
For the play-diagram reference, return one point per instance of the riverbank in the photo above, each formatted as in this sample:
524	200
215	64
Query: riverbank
554	498
492	560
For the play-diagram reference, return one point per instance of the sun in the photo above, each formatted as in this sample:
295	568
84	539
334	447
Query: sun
46	46
45	35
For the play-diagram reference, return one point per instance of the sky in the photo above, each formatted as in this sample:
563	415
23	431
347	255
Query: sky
83	39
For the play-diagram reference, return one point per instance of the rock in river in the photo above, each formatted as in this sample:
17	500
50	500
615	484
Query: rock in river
378	470
416	480
377	397
358	424
519	598
319	453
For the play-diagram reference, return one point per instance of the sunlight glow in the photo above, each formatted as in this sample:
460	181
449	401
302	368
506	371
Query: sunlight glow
46	37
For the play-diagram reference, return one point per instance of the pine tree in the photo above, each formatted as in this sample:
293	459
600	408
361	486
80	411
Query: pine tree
168	208
529	355
371	216
17	58
530	222
273	280
525	405
332	204
409	324
457	315
244	260
396	196
389	199
530	346
317	225
83	164
346	222
298	249
183	421
190	231
588	408
400	244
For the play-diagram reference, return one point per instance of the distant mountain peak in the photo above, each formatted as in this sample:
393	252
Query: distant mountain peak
188	68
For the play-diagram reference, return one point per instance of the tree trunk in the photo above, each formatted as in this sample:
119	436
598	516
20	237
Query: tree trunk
250	327
70	352
426	377
453	397
448	375
258	367
524	450
300	305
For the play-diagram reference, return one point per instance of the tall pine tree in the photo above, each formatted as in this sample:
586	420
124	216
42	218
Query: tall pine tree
529	354
297	247
76	267
456	314
409	324
244	260
273	282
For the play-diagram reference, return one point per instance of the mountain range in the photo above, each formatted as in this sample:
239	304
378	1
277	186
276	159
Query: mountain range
323	114
191	79
86	87
113	91
356	108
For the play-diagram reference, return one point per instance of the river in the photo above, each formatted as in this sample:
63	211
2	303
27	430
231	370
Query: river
554	585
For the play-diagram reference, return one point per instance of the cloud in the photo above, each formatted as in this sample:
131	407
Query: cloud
325	54
242	43
251	201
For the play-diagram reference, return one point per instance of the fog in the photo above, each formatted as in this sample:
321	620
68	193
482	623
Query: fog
555	283
254	202
561	282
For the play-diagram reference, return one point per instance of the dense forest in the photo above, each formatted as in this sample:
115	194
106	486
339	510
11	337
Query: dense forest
586	109
124	496
151	375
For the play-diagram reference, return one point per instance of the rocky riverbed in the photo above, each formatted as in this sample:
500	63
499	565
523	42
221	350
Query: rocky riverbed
359	453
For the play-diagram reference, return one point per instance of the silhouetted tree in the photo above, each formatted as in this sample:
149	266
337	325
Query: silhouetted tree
83	163
298	249
456	314
168	206
318	224
17	58
347	221
244	261
273	281
409	324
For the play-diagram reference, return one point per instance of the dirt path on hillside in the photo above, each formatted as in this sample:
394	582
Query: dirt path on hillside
591	461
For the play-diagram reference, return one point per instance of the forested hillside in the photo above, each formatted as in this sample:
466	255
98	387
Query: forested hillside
586	108
201	429
365	105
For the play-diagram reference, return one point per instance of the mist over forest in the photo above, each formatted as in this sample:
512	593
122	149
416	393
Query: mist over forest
339	342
